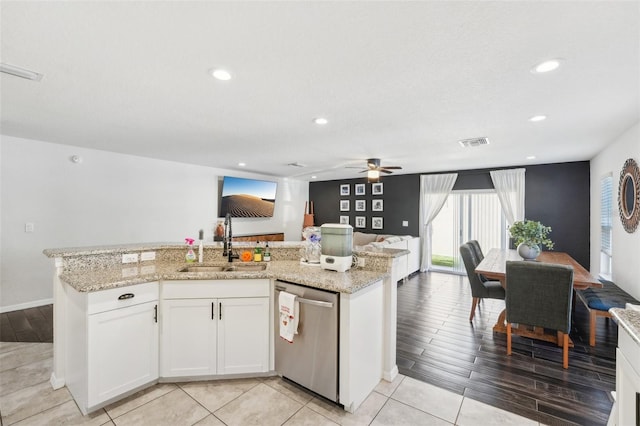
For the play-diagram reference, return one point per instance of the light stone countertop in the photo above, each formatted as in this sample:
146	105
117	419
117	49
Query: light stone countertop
87	280
127	248
629	319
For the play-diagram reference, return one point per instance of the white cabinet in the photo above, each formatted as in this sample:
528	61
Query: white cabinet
112	343
189	336
243	335
627	379
214	327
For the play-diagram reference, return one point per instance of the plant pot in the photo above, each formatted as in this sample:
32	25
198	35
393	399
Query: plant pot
528	252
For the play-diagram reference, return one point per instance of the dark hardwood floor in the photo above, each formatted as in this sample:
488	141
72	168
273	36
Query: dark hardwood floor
438	345
28	325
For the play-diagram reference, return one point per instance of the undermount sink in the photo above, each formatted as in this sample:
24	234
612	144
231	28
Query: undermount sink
246	267
202	269
237	267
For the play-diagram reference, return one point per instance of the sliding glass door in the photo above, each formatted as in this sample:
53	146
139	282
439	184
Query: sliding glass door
467	215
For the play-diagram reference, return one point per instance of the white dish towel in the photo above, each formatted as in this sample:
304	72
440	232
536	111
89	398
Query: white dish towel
289	312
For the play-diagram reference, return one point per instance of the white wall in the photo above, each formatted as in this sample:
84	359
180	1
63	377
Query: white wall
625	246
108	198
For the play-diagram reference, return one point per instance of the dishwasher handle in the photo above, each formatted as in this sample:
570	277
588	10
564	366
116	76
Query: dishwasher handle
312	302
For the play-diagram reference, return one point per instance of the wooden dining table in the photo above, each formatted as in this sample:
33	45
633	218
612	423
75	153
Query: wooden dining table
494	267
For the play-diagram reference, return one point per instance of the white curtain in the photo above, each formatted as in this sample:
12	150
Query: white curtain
509	185
434	190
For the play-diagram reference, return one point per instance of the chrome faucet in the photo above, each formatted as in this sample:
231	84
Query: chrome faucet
227	251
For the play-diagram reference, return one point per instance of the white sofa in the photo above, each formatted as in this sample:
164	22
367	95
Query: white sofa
372	242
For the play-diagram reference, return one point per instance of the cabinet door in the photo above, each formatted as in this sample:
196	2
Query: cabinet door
188	337
243	335
627	390
122	351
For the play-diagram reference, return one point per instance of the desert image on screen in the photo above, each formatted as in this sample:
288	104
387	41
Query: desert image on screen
244	205
247	197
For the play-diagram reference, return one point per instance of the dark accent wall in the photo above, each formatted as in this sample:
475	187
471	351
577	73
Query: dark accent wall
400	194
558	195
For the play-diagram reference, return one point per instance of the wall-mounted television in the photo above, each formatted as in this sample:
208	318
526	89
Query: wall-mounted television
247	197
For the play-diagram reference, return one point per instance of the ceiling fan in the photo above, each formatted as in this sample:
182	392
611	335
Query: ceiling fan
374	168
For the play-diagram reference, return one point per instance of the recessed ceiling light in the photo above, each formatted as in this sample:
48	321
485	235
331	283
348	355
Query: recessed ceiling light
242	164
531	157
221	74
314	177
538	118
320	121
546	66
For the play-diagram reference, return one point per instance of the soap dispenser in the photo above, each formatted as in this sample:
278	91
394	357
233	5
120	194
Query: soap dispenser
257	253
191	255
267	254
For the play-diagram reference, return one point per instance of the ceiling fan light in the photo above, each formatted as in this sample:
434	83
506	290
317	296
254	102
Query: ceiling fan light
373	175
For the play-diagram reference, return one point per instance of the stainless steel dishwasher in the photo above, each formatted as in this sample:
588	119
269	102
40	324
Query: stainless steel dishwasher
312	359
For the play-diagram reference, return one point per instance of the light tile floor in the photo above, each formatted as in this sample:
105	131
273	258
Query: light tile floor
26	398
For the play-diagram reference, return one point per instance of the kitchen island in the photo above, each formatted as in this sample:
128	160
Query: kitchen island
91	284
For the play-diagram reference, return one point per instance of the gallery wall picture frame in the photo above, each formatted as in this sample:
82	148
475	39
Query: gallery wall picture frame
376	188
376	223
361	222
377	205
344	205
344	220
345	189
361	205
360	188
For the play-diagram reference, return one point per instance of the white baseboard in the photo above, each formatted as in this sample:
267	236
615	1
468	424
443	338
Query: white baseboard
26	305
55	382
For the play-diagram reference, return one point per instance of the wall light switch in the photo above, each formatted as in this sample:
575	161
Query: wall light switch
405	223
29	227
130	258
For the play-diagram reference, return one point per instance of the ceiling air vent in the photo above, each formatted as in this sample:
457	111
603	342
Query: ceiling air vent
473	142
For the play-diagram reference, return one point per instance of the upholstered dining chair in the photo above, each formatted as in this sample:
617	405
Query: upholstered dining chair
540	295
479	289
475	245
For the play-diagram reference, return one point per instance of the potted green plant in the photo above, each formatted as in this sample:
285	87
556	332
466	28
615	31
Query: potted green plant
529	236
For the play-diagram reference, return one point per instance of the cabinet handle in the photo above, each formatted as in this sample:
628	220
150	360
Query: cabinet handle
126	296
220	310
213	309
155	313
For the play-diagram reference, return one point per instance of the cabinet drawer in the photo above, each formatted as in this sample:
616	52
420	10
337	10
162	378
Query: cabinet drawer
115	298
202	289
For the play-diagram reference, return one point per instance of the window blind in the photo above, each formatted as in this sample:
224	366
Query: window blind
606	209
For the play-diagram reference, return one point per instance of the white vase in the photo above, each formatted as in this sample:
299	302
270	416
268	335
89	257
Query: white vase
528	252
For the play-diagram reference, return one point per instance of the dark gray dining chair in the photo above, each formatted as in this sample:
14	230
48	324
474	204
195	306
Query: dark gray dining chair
475	245
479	289
539	295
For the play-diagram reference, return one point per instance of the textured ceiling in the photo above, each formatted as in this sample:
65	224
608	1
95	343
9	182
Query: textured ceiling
402	81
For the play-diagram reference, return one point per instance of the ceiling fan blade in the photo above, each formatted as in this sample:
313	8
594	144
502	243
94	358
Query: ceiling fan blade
385	171
392	167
